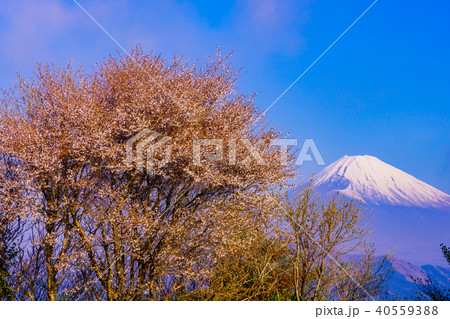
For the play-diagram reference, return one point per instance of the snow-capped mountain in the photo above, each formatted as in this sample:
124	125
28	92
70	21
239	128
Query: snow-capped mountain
409	216
372	181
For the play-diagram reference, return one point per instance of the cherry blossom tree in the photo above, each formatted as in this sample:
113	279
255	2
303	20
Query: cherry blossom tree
100	228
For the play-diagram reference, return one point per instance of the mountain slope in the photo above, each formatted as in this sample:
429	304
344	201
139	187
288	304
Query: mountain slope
402	282
374	182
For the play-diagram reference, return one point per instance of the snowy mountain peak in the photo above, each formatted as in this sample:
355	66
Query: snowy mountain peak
373	181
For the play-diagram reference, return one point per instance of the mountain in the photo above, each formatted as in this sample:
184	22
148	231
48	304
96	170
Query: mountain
374	182
402	284
410	217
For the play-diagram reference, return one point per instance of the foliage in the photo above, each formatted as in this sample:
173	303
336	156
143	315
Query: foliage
329	256
8	253
446	253
303	253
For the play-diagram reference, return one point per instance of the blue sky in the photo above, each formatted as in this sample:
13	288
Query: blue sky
382	90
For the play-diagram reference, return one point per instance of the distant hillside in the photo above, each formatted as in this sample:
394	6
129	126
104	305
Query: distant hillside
401	283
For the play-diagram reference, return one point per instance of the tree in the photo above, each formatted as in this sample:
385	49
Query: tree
307	250
446	253
330	257
9	233
98	228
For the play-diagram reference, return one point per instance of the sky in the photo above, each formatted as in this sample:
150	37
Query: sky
381	90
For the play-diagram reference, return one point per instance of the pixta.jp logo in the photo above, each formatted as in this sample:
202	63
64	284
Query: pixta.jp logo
141	148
